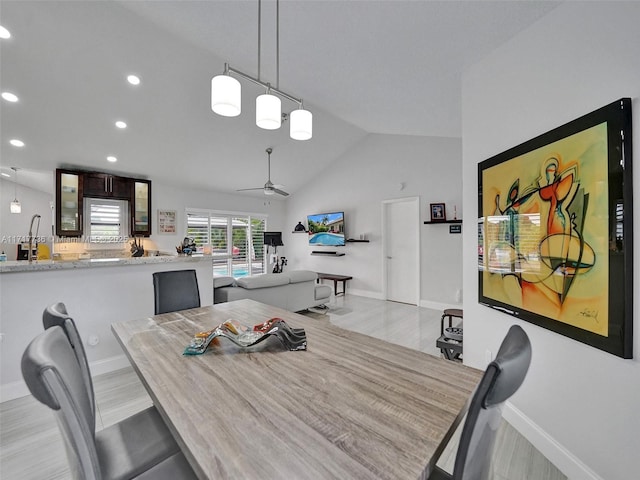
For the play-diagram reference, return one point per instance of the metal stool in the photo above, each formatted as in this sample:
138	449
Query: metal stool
451	344
451	313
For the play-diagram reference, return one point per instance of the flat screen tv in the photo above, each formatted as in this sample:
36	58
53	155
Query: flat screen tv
326	229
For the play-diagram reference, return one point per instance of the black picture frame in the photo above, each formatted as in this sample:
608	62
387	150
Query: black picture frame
438	212
555	230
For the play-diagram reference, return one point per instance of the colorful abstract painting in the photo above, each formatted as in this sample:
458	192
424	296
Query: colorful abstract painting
552	224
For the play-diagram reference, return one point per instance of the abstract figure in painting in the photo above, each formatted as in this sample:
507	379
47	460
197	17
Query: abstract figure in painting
536	241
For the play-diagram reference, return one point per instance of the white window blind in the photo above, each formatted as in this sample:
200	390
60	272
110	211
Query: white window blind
236	241
106	220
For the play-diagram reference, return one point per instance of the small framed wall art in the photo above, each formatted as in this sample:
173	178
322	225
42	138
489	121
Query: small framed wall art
167	222
438	213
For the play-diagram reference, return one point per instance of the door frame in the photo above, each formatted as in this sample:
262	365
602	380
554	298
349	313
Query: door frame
415	231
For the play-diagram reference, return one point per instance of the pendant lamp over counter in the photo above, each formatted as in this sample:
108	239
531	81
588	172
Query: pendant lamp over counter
15	204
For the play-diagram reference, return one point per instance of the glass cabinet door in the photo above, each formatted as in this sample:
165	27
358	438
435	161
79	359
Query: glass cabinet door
68	204
141	208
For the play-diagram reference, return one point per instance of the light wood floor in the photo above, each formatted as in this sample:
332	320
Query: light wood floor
31	447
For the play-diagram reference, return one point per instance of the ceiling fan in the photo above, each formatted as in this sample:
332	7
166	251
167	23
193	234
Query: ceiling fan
269	188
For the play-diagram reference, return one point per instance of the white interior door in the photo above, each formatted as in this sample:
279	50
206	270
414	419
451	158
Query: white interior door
402	250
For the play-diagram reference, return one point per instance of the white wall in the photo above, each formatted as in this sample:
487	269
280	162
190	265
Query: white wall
576	59
165	197
370	172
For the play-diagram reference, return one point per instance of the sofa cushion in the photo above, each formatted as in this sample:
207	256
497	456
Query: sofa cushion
220	281
297	276
262	281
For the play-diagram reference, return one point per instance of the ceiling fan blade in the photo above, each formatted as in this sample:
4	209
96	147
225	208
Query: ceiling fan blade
247	189
281	192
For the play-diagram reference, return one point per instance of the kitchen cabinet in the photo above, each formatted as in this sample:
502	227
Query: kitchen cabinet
69	195
72	186
141	208
104	185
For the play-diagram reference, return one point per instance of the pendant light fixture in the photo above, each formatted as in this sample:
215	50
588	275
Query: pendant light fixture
226	94
15	204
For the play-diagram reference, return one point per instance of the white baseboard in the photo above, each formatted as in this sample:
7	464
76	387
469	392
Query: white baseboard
423	303
109	365
365	293
562	458
13	390
438	305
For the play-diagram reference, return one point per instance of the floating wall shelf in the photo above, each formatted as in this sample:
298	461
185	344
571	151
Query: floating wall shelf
356	240
443	221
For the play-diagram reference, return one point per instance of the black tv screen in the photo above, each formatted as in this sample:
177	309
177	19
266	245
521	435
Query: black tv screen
326	229
273	239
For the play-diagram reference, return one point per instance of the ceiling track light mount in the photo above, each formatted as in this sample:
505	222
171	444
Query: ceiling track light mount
269	88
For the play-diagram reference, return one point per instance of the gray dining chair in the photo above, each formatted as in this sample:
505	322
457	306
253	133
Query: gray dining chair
141	446
501	380
175	290
56	315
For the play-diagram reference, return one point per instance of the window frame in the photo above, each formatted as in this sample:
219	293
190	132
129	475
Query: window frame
228	256
109	242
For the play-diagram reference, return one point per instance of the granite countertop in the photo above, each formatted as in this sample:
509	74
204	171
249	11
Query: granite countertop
42	265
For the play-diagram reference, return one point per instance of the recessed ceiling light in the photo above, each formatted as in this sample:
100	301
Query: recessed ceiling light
133	80
4	33
121	124
5	174
9	97
16	143
112	159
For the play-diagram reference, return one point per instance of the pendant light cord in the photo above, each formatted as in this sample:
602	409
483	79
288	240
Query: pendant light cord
259	34
277	43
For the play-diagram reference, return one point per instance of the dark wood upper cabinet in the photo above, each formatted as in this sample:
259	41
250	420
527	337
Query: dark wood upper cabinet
104	185
73	186
69	195
141	208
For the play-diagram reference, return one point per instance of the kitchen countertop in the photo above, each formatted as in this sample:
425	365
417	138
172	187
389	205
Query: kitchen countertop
43	265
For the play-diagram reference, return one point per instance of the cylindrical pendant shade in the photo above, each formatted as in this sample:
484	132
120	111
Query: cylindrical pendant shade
268	112
16	207
301	124
225	96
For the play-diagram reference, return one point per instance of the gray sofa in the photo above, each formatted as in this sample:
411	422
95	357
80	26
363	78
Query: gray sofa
294	291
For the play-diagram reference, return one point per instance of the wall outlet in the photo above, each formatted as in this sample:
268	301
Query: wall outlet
488	356
93	340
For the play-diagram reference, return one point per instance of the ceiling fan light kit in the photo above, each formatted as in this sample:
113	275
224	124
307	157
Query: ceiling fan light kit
226	95
269	188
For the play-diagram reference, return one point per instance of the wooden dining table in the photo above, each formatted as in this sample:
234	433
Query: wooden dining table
349	407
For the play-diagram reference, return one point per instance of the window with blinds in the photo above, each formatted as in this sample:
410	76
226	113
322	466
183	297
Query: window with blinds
106	221
236	241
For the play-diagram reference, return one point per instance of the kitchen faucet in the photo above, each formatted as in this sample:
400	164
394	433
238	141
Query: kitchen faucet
30	254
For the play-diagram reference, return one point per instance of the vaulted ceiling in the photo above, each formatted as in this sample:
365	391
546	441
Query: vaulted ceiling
361	67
